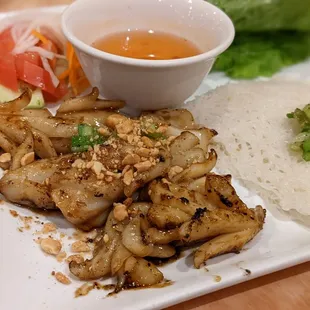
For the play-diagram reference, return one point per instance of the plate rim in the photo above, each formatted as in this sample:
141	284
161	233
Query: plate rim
170	299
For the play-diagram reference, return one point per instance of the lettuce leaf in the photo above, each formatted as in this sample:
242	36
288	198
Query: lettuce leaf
263	54
267	15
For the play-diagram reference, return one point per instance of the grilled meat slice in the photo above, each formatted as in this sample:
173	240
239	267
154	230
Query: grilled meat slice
83	195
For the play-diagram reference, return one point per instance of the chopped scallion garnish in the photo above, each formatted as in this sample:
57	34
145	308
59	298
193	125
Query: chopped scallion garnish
88	136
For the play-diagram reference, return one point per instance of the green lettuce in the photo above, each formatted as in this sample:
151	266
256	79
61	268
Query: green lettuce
267	15
263	54
270	35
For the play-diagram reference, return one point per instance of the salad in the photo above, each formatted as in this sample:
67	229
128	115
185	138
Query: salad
34	57
302	140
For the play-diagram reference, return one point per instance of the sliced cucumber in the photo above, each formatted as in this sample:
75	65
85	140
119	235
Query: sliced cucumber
37	100
7	94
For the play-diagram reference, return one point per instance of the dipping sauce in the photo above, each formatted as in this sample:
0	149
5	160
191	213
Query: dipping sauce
147	44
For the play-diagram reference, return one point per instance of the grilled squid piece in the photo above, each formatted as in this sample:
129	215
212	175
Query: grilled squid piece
7	144
162	251
89	102
226	243
16	105
25	148
100	264
43	145
197	170
207	224
141	273
229	239
132	239
156	236
222	194
97	267
167	217
120	255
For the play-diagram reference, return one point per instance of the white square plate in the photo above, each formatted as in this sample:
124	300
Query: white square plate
26	281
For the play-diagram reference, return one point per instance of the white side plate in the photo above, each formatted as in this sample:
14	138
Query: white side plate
26	281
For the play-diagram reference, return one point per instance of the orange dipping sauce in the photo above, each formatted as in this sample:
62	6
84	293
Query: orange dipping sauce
147	44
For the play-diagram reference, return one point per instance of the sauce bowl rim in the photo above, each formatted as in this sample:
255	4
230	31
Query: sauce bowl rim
92	51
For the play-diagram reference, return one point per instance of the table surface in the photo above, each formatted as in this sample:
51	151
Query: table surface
283	290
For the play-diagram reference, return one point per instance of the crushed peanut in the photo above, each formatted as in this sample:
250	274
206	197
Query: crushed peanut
126	169
84	236
50	246
131	159
106	238
174	171
154	152
140	156
78	163
128	177
103	131
115	119
5	158
125	127
26	220
62	235
97	167
75	258
147	142
120	211
89	164
27	159
61	256
60	277
13	213
123	136
84	289
96	148
144	152
130	138
80	246
48	227
144	166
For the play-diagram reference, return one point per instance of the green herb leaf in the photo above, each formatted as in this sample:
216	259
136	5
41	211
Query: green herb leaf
306	156
302	141
155	135
306	146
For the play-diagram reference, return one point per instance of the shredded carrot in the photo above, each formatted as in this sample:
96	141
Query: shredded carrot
64	74
83	84
78	81
40	36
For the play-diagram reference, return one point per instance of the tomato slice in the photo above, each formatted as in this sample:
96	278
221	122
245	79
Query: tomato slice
31	57
8	77
6	41
60	92
34	75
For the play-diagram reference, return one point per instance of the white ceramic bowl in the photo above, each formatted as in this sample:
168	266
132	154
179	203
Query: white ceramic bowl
147	84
